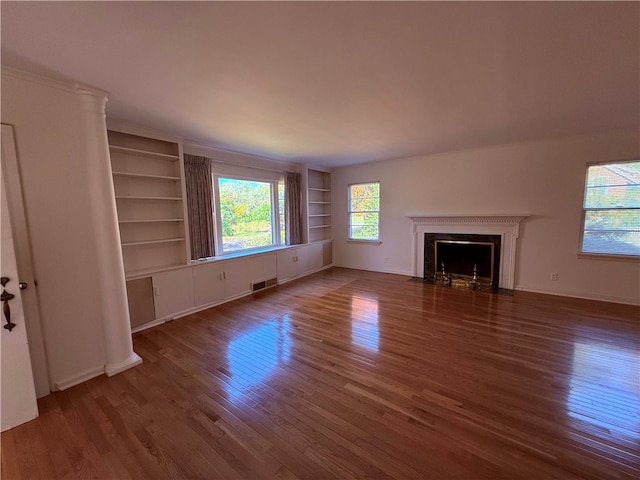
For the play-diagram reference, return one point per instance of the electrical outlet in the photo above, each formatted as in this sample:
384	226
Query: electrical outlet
554	277
386	260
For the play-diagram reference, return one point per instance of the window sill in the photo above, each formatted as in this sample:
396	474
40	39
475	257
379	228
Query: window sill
608	256
242	253
354	240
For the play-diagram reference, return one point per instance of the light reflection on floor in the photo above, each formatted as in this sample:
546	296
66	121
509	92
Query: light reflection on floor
254	356
604	388
365	331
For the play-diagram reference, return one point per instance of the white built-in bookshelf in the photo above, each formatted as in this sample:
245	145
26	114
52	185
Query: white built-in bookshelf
148	182
318	205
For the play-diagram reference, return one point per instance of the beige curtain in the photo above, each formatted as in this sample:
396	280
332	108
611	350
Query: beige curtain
199	186
292	210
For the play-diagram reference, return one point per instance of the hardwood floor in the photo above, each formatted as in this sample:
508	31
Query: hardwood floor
349	374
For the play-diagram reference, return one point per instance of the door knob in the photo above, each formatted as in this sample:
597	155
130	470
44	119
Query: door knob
4	298
23	285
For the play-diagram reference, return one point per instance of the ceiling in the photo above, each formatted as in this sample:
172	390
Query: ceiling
337	83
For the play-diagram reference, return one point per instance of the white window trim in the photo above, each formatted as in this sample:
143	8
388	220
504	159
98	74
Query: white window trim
349	212
596	255
217	214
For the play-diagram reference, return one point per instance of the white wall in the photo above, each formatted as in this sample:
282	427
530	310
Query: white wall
544	179
50	146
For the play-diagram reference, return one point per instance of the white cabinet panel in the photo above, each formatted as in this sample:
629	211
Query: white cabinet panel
214	282
179	291
312	257
208	284
140	300
262	267
173	292
287	264
294	262
236	280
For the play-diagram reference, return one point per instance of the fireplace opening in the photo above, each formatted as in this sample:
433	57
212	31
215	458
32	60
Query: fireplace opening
466	258
463	260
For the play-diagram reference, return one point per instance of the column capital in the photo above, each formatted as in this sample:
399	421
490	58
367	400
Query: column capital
93	99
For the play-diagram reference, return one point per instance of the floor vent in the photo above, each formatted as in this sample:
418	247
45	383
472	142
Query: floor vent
264	284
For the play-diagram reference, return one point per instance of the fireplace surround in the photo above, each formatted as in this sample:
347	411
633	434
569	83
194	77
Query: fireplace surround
507	227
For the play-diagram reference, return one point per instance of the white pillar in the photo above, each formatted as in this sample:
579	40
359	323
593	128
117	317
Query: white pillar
111	277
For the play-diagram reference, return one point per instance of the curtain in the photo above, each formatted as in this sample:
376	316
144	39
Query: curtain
292	210
199	186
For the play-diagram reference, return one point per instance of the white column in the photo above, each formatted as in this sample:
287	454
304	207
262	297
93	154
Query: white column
113	293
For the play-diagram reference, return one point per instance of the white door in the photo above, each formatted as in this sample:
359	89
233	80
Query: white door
17	391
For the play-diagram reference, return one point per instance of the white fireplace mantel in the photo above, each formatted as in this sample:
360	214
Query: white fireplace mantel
507	226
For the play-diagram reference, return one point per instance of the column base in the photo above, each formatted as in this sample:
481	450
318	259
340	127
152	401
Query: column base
111	369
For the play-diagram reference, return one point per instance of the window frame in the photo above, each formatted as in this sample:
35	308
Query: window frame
602	255
350	212
217	213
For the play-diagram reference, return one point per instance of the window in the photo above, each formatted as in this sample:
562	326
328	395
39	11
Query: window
249	214
611	217
364	211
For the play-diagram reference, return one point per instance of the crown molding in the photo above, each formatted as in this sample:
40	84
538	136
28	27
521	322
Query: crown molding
65	86
40	79
84	89
141	131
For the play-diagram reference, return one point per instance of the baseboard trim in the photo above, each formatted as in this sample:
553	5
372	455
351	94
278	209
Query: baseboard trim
77	379
112	369
150	324
107	369
598	298
305	274
393	272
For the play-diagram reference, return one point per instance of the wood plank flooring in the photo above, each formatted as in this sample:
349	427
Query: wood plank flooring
350	374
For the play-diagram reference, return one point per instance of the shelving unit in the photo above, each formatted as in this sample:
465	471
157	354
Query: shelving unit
141	175
147	179
318	205
152	221
151	242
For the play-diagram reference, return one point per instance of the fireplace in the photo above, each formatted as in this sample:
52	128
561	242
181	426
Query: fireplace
462	260
506	227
